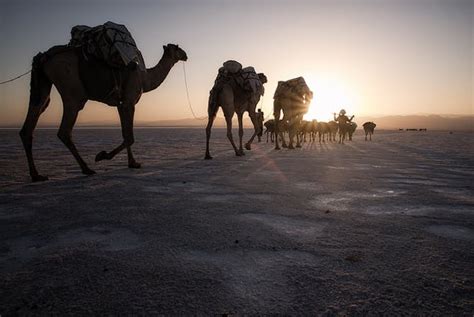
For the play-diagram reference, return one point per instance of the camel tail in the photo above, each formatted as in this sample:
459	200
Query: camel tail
213	106
38	81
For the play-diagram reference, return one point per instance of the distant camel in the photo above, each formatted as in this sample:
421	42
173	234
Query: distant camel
352	128
270	129
233	99
306	128
333	129
77	81
369	129
294	104
323	129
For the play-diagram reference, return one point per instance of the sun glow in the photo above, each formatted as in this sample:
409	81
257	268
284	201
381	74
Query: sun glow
330	97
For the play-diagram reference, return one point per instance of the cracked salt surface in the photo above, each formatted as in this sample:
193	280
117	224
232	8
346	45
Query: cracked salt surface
297	228
452	232
256	276
342	201
226	198
109	239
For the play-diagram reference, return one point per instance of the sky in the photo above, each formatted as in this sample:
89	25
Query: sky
370	57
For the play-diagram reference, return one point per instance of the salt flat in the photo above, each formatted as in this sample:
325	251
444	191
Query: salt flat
368	227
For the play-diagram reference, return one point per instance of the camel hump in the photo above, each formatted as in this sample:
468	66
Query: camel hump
109	42
296	86
232	66
246	78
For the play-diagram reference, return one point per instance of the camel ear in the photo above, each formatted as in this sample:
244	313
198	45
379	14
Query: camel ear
164	47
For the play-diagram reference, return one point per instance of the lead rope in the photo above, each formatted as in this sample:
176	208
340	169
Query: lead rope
17	77
187	96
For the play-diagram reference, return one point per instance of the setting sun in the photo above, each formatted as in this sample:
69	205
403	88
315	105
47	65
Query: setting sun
330	96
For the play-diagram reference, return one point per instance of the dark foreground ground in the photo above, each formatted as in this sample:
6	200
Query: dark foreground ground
364	228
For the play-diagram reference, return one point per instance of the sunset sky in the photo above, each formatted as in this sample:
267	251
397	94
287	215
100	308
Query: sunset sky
377	57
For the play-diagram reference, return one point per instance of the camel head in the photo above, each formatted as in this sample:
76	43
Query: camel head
175	52
262	78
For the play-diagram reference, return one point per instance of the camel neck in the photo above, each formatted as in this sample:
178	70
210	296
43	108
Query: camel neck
156	75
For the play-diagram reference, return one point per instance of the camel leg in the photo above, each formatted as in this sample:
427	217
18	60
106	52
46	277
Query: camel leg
132	163
228	120
26	134
241	133
256	131
126	120
366	136
299	138
65	135
208	136
291	134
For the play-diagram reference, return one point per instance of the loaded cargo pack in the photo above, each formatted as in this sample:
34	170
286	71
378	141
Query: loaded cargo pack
109	42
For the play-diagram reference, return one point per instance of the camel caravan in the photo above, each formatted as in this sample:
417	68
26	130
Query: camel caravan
104	64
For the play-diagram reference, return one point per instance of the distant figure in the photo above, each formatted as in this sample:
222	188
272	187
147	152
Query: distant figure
236	90
369	129
344	124
79	78
259	118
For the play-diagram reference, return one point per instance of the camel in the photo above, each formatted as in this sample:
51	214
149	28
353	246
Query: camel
369	129
294	103
323	129
352	128
232	98
306	127
333	129
78	81
270	129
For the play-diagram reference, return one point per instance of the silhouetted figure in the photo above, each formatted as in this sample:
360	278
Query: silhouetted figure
292	97
369	128
235	90
344	124
78	80
260	118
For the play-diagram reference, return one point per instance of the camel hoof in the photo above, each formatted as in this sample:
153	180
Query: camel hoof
285	146
208	157
102	155
134	165
291	147
88	171
298	145
247	147
39	178
277	148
